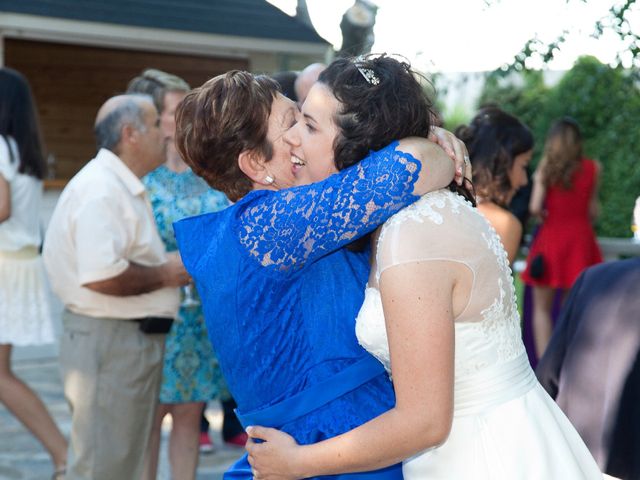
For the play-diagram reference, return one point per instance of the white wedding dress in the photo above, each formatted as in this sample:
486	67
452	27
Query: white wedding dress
505	426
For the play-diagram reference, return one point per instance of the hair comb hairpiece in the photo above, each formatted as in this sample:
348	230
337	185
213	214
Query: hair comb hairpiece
369	75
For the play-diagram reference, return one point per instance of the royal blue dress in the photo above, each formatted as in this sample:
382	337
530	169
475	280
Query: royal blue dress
281	293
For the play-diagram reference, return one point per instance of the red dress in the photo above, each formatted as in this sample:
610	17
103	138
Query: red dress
566	238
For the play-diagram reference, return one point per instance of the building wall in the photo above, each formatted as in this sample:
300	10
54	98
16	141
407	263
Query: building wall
70	82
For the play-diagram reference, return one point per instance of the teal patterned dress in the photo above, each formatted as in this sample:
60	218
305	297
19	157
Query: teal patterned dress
191	372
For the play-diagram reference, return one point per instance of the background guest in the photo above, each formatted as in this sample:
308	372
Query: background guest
25	316
296	85
565	196
500	149
109	267
305	80
592	364
191	374
287	81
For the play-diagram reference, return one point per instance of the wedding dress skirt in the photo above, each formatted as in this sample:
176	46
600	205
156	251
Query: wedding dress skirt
505	427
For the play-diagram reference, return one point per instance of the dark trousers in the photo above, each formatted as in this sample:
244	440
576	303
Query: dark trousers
230	424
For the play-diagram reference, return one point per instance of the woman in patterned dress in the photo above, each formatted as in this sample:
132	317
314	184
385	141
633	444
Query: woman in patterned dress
191	375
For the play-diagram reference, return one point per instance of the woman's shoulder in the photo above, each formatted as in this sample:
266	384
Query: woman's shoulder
499	217
201	235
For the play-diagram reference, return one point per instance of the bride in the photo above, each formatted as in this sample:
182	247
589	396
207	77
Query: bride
439	313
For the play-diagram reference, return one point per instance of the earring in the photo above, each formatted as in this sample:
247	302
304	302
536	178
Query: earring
268	180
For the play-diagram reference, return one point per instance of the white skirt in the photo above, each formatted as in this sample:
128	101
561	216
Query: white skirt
506	427
25	312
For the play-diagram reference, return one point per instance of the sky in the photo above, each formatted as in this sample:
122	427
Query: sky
468	35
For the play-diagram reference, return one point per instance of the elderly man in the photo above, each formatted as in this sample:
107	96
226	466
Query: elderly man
305	80
296	85
108	265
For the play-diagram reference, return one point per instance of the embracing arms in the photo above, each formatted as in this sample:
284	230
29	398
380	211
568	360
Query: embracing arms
422	355
292	226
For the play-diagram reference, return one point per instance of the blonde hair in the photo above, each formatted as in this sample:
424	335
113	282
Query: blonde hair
562	153
157	83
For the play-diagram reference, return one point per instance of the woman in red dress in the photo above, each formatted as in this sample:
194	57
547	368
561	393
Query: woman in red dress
565	196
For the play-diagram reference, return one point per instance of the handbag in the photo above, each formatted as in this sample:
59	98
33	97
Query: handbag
536	270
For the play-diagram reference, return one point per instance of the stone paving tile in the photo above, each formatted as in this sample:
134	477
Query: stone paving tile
22	457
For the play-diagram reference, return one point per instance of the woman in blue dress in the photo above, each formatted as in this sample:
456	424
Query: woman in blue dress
279	282
191	375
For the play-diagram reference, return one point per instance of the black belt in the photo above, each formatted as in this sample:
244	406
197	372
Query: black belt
154	324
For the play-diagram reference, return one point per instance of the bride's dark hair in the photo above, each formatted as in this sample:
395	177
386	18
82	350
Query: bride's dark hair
382	100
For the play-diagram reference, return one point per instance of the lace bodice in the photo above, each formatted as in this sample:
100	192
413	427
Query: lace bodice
443	226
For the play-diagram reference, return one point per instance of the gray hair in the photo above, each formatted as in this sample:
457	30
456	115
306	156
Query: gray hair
157	83
108	131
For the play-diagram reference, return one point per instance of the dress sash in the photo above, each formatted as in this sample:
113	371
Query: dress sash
491	386
315	396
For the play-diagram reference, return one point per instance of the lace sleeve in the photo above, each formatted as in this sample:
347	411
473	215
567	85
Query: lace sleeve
290	227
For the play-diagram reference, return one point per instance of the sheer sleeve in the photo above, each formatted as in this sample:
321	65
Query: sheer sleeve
443	226
285	229
433	229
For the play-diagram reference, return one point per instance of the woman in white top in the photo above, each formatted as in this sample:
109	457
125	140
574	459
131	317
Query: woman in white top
439	313
25	317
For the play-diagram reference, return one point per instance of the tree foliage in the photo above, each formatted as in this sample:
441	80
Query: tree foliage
605	101
617	21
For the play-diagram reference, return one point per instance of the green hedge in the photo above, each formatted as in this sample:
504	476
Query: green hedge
606	103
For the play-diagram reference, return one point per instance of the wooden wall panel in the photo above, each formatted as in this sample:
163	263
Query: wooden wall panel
70	83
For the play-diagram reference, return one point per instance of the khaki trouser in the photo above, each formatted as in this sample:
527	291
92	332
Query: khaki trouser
111	373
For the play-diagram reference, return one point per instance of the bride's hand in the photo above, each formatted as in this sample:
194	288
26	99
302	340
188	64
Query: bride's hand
456	149
274	458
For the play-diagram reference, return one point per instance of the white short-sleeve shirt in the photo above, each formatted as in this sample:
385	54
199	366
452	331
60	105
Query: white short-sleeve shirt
103	221
22	228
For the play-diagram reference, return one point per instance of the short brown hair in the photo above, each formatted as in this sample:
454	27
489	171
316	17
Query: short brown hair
226	116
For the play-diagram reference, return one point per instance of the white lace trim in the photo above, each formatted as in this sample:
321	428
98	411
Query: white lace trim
423	209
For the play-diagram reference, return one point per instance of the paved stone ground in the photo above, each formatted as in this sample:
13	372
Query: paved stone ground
22	457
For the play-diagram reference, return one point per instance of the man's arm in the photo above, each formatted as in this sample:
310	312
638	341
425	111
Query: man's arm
138	279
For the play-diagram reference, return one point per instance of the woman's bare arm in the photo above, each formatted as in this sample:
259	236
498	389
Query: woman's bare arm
5	199
594	203
538	192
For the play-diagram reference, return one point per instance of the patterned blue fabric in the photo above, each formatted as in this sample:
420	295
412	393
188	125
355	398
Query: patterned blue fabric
191	372
281	293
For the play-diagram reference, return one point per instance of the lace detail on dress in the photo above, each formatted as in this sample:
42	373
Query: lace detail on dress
443	226
429	207
290	227
501	321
